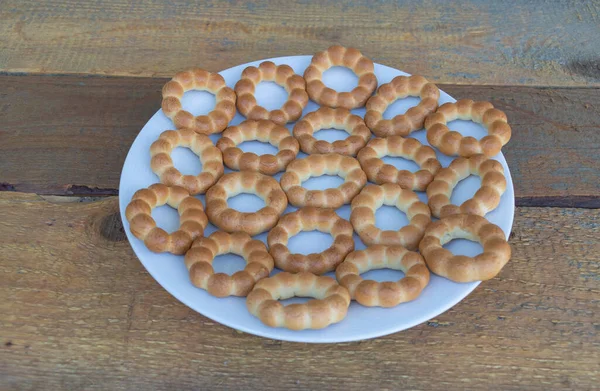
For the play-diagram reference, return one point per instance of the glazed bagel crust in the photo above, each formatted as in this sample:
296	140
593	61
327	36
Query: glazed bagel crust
399	88
162	163
200	257
487	197
346	57
199	79
283	75
371	198
300	170
452	143
459	268
383	294
331	304
326	118
192	219
264	131
232	184
379	172
310	219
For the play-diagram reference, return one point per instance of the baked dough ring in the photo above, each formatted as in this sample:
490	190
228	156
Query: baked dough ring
266	132
486	199
200	257
331	304
459	268
192	219
379	172
350	58
326	118
371	198
310	219
232	184
283	75
199	79
399	88
162	164
453	143
383	294
316	165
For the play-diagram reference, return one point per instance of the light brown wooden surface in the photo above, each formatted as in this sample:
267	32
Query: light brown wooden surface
81	151
80	312
510	42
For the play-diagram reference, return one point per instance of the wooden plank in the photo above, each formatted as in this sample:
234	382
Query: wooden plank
496	42
554	154
80	312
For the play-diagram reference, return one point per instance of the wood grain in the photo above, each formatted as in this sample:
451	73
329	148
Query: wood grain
505	42
80	312
554	155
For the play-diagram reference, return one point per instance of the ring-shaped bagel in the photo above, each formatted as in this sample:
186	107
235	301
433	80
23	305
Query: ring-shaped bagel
162	163
201	255
453	143
399	88
283	75
264	131
329	306
371	198
396	146
300	170
389	293
310	219
192	219
487	197
326	118
232	184
201	80
350	58
460	268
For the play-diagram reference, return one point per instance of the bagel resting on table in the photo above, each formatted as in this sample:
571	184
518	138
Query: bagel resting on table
350	58
283	75
199	79
460	268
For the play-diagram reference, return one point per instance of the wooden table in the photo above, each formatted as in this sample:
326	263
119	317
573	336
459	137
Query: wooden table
79	80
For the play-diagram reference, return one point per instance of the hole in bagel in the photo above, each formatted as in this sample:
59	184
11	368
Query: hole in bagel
400	106
390	218
186	161
246	203
465	189
322	182
464	247
198	102
270	95
295	300
258	147
166	218
228	263
308	242
340	78
382	275
468	128
330	135
401	163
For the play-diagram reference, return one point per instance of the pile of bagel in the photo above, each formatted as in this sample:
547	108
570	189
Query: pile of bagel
357	159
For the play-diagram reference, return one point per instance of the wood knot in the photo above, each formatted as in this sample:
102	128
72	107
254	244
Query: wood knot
111	228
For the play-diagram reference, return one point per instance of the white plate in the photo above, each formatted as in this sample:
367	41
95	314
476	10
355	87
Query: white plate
361	322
